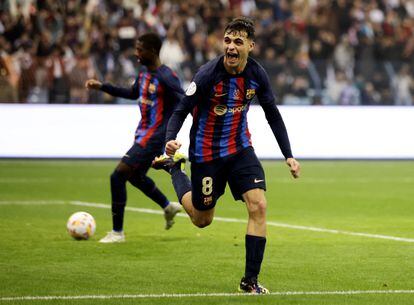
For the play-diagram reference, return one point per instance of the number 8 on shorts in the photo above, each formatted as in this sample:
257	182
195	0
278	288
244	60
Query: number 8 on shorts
207	186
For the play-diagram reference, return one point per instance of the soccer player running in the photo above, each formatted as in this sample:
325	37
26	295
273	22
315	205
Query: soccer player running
220	146
158	91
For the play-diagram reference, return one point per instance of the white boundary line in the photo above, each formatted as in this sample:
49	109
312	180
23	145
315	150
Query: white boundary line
203	295
217	218
33	202
269	223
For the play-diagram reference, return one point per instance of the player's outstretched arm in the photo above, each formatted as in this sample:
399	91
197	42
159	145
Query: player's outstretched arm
129	93
294	167
171	147
93	84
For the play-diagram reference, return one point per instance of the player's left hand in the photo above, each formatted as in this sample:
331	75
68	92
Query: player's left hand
294	167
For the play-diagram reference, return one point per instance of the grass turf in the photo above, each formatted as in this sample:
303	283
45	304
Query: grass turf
37	257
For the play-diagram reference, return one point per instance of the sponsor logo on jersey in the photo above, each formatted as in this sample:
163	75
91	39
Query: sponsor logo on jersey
220	109
223	109
237	109
145	101
219	94
250	93
151	88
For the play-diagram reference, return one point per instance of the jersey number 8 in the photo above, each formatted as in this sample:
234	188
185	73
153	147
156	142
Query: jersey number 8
207	188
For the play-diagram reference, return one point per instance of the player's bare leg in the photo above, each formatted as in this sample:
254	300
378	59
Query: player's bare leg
200	219
256	207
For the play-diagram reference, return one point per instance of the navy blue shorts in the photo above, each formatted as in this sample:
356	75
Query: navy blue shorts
242	171
140	158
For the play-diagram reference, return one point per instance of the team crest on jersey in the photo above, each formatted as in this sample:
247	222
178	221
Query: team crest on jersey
250	93
151	88
208	200
220	109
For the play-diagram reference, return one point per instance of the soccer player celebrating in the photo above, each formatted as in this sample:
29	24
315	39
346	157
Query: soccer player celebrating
220	146
158	91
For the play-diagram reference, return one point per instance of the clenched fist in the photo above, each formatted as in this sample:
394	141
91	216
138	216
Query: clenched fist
93	84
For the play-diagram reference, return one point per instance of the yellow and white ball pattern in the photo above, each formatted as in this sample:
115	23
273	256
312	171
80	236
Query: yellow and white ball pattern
81	225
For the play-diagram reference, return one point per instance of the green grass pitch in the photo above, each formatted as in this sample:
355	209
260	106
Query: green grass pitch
38	258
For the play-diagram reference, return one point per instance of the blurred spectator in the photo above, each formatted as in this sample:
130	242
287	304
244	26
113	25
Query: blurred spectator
344	56
171	53
26	62
82	71
382	84
369	96
341	89
58	76
8	75
404	84
40	92
349	94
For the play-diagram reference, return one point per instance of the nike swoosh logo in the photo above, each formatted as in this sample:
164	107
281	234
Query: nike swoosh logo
219	95
127	156
257	180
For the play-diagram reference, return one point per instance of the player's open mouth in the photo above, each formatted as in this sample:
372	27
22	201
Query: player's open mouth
232	56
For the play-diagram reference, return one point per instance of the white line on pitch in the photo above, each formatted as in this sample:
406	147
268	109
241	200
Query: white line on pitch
203	295
270	223
33	202
217	218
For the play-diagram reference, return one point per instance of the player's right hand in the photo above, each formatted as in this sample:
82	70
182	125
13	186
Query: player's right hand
171	147
294	167
93	84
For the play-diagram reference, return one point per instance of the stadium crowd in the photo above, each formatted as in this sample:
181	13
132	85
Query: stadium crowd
317	52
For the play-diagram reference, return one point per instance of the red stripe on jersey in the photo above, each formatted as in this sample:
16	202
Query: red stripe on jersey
237	115
143	106
209	128
158	116
195	112
248	135
139	85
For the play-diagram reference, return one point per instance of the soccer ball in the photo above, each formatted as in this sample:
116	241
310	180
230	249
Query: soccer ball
81	225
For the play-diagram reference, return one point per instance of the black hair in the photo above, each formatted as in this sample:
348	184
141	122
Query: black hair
241	24
151	41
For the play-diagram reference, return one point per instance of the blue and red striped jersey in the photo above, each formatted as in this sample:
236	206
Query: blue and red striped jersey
219	102
157	92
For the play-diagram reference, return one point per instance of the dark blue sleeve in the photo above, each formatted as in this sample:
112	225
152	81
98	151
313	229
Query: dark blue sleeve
128	93
193	95
173	85
273	116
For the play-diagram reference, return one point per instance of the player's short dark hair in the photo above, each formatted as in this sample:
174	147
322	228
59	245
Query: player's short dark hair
241	24
151	41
